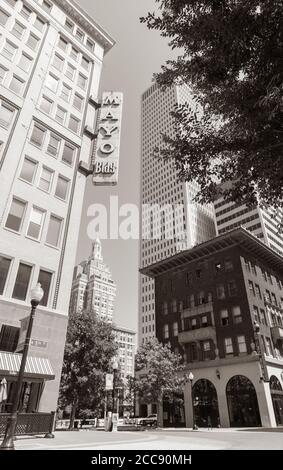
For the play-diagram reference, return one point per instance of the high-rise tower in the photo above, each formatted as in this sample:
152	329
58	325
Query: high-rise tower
170	220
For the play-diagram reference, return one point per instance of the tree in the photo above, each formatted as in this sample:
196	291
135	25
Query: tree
89	350
231	57
159	373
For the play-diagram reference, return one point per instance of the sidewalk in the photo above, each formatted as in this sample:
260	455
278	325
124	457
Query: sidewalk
257	429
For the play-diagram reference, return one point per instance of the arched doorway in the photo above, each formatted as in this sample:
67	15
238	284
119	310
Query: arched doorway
205	403
277	399
242	402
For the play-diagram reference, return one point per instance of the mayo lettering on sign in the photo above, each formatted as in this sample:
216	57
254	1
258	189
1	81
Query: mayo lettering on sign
107	150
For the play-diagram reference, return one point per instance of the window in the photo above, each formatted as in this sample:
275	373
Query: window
237	315
33	42
68	154
90	45
82	81
228	265
232	288
62	188
70	71
257	291
165	308
267	296
80	35
18	30
253	268
65	93
28	170
6	115
35	223
204	321
3	17
60	115
247	265
217	267
206	347
194	323
85	63
22	282
175	329
54	231
189	278
16	85
198	273
45	179
4	270
74	123
58	62
269	351
220	291
46	5
25	12
16	214
25	62
165	331
255	312
263	317
69	25
54	145
201	298
78	102
46	104
251	288
274	300
3	72
44	279
242	347
228	345
74	54
263	272
11	2
224	317
174	306
37	136
39	24
9	50
62	44
52	83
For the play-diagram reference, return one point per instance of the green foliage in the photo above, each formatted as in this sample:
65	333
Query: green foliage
159	372
231	57
89	350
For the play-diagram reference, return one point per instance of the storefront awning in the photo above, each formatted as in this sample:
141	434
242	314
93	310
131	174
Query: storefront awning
36	367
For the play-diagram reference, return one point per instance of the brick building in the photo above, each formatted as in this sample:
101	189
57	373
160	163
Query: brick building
220	305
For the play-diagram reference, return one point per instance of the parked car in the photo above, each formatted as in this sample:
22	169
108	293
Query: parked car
150	420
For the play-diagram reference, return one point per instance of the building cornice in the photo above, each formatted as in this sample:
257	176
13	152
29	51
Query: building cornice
82	18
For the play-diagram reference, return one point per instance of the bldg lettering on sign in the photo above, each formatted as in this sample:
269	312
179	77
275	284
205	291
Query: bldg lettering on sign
107	149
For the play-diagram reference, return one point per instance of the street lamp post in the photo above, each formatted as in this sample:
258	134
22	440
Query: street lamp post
190	377
8	442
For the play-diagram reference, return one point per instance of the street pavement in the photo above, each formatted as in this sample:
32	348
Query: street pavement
172	439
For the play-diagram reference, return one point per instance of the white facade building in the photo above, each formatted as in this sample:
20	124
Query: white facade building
263	223
93	287
51	55
126	342
175	223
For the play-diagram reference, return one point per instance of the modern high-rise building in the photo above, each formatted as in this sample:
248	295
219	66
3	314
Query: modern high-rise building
170	220
51	59
262	222
93	287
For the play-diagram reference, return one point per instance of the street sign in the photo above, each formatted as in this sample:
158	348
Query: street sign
109	382
107	148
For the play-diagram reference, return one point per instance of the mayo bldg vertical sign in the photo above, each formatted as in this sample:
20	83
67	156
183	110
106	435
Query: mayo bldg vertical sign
107	149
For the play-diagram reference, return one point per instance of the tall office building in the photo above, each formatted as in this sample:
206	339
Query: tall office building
126	342
93	287
51	60
170	221
262	222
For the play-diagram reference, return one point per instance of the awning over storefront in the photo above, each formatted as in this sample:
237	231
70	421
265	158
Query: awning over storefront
36	367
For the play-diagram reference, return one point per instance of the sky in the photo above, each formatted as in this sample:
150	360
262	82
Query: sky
128	67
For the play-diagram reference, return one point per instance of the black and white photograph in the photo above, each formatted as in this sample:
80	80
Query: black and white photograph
141	231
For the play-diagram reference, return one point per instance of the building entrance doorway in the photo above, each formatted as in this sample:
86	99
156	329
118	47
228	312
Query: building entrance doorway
242	402
205	404
277	399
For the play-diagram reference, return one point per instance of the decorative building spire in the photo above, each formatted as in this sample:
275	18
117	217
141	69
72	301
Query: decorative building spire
96	252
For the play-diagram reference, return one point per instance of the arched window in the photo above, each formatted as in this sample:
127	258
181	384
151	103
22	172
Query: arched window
242	402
